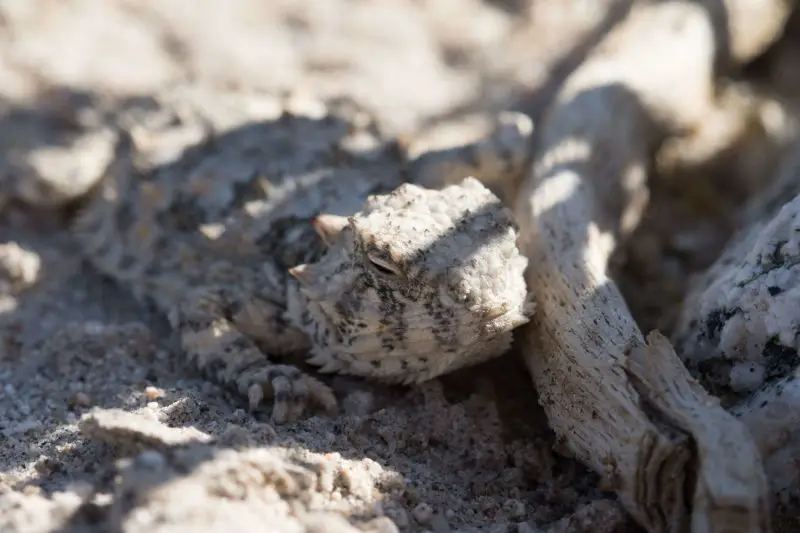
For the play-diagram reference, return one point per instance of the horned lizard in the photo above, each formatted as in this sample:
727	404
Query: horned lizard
265	226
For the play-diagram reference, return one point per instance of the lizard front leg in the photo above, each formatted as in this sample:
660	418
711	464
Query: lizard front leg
213	326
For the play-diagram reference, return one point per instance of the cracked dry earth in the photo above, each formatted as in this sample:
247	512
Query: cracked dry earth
103	429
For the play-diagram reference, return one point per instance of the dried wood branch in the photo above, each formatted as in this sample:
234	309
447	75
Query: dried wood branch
738	330
729	485
651	77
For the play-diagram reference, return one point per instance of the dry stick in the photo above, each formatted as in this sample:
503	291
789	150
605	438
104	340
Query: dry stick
731	489
739	320
652	76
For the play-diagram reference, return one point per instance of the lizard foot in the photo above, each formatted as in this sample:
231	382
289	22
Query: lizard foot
292	390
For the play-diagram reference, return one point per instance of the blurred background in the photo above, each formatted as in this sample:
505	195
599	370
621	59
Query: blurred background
411	60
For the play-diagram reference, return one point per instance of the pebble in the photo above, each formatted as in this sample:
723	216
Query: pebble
422	513
515	508
79	399
153	393
151	459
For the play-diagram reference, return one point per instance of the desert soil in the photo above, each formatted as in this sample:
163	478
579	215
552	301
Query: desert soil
102	429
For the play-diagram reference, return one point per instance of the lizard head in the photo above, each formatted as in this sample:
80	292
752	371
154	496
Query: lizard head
418	283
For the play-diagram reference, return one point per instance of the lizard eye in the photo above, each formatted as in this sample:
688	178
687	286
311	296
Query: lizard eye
382	266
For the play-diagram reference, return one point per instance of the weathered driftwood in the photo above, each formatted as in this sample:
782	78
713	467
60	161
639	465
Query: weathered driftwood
730	488
652	76
738	329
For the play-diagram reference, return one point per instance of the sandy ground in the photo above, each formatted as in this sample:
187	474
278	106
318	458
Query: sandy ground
87	381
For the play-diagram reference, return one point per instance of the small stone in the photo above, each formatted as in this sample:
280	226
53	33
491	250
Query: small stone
487	503
412	495
79	399
152	460
747	376
235	436
153	393
19	266
240	416
263	433
47	465
35	449
422	513
183	411
514	508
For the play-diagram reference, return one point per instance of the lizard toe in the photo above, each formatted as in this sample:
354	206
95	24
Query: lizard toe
292	392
